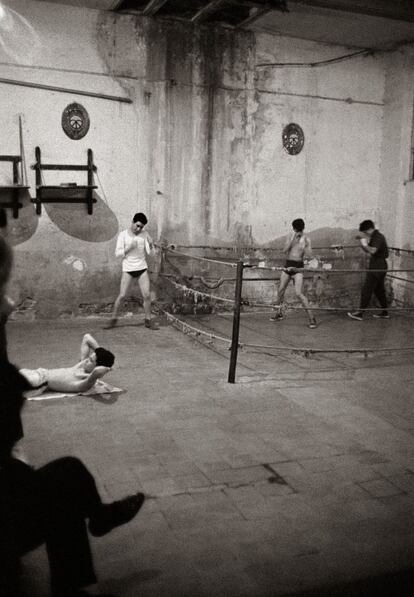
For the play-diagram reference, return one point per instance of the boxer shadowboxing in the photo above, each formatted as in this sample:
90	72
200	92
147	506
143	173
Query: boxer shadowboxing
297	247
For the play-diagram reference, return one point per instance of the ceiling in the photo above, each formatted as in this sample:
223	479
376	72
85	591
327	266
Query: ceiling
353	23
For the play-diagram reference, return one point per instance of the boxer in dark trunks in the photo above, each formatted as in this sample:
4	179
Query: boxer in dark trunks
297	247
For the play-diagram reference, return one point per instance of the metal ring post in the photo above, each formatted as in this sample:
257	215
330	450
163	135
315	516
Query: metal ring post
236	322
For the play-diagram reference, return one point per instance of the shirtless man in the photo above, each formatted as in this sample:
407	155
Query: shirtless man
296	248
95	363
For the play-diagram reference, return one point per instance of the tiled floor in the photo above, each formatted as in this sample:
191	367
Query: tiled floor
298	479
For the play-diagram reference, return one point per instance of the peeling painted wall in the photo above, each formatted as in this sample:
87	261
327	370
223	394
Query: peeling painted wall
396	201
199	149
334	181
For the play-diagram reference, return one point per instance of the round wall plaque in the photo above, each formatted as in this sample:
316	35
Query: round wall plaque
75	121
293	138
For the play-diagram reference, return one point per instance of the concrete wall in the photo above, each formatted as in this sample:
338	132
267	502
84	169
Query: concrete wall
199	149
334	181
64	258
396	201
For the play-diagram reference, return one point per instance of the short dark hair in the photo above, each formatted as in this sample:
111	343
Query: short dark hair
366	225
298	225
140	217
104	357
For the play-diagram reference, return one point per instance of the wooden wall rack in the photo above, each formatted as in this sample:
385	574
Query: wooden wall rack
65	192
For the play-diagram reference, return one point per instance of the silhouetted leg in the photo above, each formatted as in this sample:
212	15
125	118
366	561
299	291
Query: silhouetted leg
9	555
70	496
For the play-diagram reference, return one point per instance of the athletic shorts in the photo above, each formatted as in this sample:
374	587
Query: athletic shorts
137	273
291	263
36	377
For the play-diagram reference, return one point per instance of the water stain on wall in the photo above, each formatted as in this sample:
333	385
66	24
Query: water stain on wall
192	139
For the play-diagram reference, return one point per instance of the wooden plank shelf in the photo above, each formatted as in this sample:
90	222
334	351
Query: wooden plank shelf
13	186
57	199
66	167
67	188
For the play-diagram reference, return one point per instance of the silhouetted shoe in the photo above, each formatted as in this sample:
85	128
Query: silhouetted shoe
115	514
151	324
313	324
112	323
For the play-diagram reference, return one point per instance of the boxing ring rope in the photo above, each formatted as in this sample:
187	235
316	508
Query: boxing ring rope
304	270
187	328
175	252
238	303
402	279
197	293
247	303
331	309
190	329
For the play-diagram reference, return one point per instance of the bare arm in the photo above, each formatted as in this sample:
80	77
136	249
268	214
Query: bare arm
367	248
370	250
149	244
308	248
87	346
289	242
363	241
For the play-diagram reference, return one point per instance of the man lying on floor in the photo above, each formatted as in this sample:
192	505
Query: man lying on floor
95	363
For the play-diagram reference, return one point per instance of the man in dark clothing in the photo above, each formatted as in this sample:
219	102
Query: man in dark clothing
51	504
373	243
6	260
